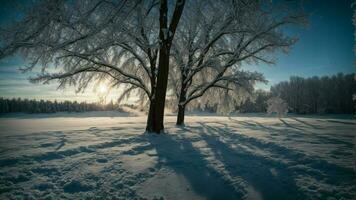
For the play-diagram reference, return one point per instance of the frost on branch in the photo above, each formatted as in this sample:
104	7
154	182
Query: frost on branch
277	105
76	43
214	43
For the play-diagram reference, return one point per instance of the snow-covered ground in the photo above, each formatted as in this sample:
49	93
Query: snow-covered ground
241	157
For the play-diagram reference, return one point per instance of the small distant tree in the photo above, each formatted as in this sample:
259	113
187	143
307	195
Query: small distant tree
277	105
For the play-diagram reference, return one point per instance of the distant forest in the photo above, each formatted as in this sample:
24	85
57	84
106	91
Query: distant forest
41	106
315	95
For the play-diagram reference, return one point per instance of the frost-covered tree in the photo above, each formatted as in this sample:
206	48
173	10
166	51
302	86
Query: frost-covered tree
214	41
167	31
221	100
83	41
277	105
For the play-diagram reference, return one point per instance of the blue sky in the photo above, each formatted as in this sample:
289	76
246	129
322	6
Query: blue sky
325	47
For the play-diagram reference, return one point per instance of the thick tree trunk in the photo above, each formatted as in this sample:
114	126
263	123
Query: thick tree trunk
180	116
161	90
162	76
166	35
150	117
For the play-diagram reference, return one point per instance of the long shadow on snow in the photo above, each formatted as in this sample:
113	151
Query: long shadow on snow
306	123
294	132
272	178
340	122
179	155
256	170
317	168
289	125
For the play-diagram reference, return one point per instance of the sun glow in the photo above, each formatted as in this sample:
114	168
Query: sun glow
102	88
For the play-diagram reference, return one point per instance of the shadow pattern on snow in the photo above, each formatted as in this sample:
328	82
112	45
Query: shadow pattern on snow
295	132
226	165
181	156
256	170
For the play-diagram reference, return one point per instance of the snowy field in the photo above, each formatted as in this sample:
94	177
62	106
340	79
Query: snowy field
109	157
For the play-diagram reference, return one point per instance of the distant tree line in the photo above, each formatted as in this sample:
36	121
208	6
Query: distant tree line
314	95
256	102
42	106
328	94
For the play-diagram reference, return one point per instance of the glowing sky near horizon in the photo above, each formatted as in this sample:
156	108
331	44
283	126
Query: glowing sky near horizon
325	47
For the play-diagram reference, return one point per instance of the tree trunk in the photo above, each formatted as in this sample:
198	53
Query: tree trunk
181	103
161	90
166	35
151	109
180	116
162	76
150	117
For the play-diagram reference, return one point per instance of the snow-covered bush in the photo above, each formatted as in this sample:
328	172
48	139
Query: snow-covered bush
277	105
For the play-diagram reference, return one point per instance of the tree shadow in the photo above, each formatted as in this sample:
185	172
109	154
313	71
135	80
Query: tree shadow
298	165
306	123
180	155
269	178
295	132
340	122
289	125
338	174
241	168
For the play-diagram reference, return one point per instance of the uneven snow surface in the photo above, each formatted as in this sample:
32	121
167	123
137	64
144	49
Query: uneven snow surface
211	158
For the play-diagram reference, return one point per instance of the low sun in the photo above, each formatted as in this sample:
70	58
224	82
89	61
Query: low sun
102	88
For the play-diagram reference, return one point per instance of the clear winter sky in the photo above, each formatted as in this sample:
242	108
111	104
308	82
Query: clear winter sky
325	47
